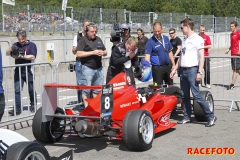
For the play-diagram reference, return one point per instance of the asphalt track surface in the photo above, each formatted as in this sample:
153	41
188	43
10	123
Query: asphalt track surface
171	144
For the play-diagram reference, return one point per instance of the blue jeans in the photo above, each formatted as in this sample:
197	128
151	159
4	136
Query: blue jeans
187	82
91	77
78	76
17	89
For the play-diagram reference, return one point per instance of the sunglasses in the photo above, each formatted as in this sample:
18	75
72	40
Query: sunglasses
21	33
172	33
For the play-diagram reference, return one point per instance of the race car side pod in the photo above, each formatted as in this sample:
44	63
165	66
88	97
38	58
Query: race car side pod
171	90
89	128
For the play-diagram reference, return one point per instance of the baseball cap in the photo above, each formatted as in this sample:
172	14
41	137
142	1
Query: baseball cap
125	26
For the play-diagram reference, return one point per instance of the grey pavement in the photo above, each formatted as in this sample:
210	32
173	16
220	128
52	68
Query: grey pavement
170	145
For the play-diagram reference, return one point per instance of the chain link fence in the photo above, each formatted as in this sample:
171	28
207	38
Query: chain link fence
45	20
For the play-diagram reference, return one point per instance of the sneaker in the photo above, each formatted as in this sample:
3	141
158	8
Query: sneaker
208	86
11	112
211	121
184	120
231	86
32	108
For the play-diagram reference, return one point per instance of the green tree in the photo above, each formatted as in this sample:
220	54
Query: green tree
219	8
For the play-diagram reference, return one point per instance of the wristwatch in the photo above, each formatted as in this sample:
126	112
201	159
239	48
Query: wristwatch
200	73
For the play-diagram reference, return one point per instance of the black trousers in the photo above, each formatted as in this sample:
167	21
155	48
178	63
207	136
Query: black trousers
162	73
206	71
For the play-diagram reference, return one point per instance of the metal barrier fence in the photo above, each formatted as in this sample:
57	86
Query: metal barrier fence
53	20
220	78
43	73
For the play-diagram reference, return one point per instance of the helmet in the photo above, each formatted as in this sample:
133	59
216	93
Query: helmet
146	74
125	26
143	73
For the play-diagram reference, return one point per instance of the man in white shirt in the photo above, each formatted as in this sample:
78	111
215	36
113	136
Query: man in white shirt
191	65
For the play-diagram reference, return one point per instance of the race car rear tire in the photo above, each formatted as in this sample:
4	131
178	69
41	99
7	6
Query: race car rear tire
138	130
27	150
198	112
50	131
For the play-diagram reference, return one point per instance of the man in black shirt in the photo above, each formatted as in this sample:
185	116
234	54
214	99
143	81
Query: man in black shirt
176	43
28	54
90	49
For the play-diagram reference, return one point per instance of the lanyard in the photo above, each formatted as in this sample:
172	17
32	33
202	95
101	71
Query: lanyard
163	44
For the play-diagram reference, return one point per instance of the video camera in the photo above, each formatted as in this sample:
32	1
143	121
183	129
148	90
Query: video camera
16	51
116	33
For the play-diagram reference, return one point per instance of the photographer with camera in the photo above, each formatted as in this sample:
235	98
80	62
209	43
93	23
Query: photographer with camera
120	34
123	56
23	52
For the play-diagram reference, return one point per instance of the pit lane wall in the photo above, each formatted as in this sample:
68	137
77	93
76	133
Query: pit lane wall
62	46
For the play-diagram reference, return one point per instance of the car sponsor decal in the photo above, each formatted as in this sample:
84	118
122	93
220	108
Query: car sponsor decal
164	120
142	98
125	105
106	104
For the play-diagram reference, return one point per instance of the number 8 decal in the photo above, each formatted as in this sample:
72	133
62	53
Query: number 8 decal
107	102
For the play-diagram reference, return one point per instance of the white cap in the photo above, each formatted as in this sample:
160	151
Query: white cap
125	26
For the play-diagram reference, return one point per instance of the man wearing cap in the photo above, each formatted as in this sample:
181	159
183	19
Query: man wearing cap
126	32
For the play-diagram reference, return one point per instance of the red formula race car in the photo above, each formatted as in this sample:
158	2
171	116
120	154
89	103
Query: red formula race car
119	112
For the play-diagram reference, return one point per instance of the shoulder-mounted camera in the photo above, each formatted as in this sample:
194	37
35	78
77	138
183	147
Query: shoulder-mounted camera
116	33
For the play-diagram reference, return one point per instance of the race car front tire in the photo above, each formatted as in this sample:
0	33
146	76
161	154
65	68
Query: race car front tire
138	130
50	131
27	150
197	110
